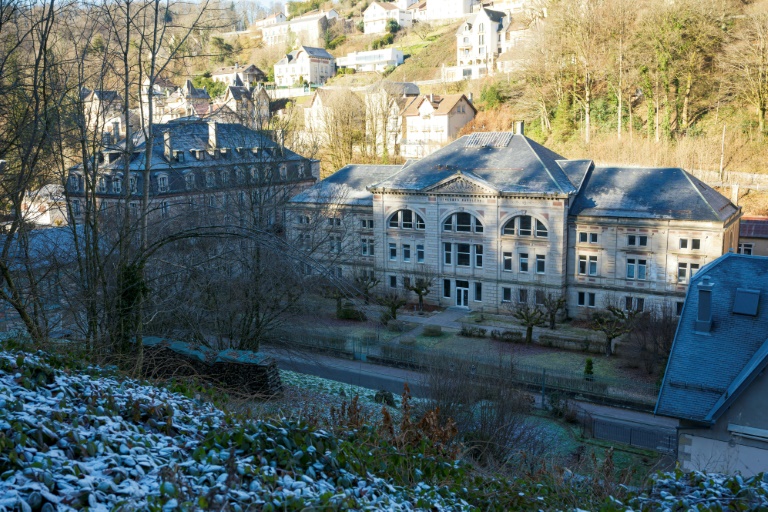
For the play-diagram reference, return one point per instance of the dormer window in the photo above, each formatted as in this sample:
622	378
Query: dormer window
134	184
162	183
283	170
210	179
101	185
224	177
117	185
239	175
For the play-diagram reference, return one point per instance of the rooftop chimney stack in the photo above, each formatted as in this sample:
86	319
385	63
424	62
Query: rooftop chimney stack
213	136
470	97
167	146
520	127
704	313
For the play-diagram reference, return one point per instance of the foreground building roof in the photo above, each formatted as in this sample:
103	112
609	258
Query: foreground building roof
711	364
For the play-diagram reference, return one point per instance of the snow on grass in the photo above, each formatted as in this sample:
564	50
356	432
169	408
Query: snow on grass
73	440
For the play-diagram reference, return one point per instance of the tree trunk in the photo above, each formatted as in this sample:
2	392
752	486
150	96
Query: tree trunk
529	334
608	346
761	119
686	103
587	109
552	320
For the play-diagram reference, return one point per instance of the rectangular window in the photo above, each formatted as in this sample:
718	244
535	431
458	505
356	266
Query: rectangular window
637	240
583	237
538	297
591	300
463	221
478	256
406	252
639	304
745	249
679	308
641	266
696	244
447	253
541	263
367	247
407	219
522	296
420	253
523	262
694	269
593	265
506	294
631	262
683	243
393	251
582	265
334	221
393	281
406	282
627	303
582	299
335	243
462	255
525	226
447	288
507	256
478	292
366	223
682	272
593	238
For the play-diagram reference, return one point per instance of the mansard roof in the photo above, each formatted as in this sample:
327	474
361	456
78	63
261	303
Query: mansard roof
347	186
510	164
650	193
707	371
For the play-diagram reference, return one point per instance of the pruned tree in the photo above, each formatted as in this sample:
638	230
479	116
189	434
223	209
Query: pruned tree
552	303
366	281
613	322
527	313
392	300
420	282
652	337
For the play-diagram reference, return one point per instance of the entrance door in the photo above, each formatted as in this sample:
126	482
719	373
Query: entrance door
462	293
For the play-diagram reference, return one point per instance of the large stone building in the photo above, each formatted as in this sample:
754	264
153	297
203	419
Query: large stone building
498	218
225	167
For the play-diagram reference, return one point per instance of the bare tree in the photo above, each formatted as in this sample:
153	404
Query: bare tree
366	281
652	336
393	301
613	322
552	304
420	282
527	313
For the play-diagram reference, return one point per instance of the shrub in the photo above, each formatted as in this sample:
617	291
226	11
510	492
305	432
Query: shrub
472	332
407	341
589	372
396	326
393	26
385	318
509	336
350	313
432	331
336	42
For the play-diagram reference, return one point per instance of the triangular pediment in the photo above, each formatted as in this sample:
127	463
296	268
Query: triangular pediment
461	184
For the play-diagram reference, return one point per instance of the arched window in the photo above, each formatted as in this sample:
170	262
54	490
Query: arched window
462	222
406	219
525	225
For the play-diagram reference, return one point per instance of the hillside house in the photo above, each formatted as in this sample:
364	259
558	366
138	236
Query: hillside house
308	64
373	60
448	9
248	106
715	382
246	76
307	29
378	14
431	121
499	219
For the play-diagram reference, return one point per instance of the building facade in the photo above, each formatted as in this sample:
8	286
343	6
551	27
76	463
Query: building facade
303	30
377	16
225	167
246	76
496	218
431	121
308	64
753	236
374	60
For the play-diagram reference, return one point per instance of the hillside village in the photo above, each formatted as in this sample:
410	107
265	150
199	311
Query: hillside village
411	255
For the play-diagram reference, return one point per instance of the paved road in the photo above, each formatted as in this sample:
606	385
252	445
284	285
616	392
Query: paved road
377	377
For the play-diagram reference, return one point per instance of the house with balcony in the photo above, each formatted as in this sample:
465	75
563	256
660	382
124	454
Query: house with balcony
307	29
431	121
306	64
499	219
377	16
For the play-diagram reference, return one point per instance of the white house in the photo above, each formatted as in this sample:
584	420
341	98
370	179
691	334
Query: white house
374	60
378	14
303	30
312	65
247	76
431	121
448	9
479	42
272	19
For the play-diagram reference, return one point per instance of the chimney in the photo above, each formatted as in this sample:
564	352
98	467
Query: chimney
167	146
470	97
431	98
735	194
704	313
213	137
520	127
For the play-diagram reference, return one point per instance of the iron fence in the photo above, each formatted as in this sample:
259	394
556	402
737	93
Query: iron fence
660	440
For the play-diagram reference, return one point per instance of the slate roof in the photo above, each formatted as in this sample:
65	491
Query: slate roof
707	372
753	227
311	51
650	193
238	93
441	104
347	185
509	163
105	95
228	70
396	88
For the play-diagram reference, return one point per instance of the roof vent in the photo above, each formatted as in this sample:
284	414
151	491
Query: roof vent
746	302
704	313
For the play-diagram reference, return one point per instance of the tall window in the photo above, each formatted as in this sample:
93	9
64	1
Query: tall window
636	268
541	264
522	263
102	184
134	184
462	255
162	183
189	181
506	294
478	255
525	225
165	209
393	252
447	253
406	252
463	222
447	288
420	253
117	185
406	219
367	247
210	179
478	292
507	258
